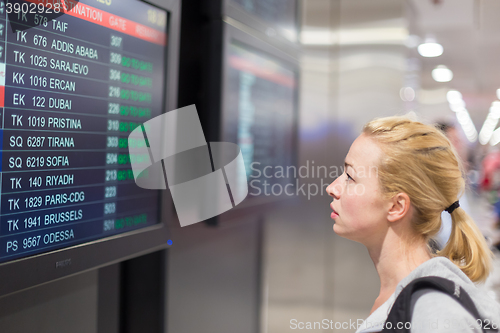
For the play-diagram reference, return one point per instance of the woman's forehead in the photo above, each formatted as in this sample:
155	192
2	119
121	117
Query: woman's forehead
364	152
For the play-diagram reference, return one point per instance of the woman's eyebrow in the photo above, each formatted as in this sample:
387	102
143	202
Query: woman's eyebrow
348	165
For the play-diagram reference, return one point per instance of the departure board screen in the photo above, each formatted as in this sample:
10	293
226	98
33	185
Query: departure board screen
281	13
260	113
73	85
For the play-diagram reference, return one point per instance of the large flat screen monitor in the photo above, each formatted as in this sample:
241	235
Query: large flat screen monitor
260	114
273	17
74	84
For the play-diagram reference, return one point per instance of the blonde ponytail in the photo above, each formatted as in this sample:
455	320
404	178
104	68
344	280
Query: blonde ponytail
467	247
420	161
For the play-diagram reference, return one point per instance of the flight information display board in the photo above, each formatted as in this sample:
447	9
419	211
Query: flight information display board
72	87
281	13
260	115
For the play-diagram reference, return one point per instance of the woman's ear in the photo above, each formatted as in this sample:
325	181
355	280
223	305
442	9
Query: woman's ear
399	207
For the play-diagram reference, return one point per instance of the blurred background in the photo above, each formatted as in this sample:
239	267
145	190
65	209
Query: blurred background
433	60
293	82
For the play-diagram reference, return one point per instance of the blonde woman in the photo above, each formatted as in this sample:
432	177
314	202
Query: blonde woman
399	176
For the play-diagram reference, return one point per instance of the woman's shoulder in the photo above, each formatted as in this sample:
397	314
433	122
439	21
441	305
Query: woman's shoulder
435	311
444	268
432	308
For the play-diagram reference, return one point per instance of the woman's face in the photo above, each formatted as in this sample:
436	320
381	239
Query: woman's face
359	210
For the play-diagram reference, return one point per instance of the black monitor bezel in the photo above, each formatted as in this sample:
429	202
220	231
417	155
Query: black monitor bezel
27	272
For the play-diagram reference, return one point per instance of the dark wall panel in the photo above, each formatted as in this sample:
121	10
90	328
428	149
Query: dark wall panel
67	305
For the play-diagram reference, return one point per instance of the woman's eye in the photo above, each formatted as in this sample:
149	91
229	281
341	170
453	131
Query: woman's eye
348	177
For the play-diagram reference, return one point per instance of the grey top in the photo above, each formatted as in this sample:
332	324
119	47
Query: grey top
434	311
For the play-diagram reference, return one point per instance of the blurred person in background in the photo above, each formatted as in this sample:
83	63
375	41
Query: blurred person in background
394	212
490	184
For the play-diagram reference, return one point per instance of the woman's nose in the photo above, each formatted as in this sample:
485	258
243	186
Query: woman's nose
334	189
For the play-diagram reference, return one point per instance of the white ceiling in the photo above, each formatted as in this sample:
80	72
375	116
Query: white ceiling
469	31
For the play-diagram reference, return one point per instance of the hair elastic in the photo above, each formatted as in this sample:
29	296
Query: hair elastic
453	206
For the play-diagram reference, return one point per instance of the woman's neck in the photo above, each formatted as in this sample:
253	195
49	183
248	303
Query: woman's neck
394	259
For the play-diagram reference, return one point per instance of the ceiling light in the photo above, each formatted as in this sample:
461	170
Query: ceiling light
462	116
467	125
407	94
442	74
495	137
454	97
495	110
490	123
430	49
457	106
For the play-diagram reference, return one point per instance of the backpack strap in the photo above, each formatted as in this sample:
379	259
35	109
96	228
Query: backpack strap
400	311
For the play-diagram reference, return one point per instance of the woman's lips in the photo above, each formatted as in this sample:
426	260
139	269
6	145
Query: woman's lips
334	214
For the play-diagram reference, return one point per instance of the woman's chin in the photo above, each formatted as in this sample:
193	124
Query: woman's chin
337	229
